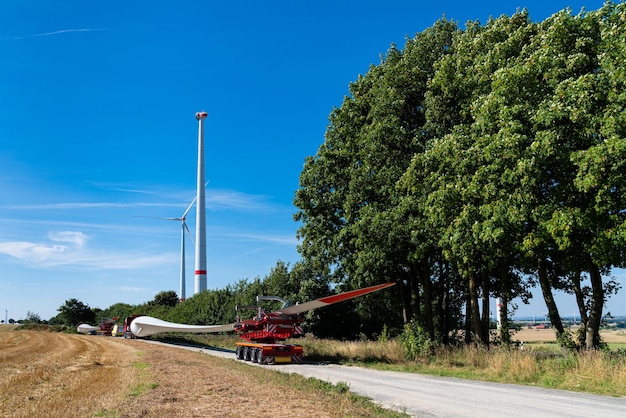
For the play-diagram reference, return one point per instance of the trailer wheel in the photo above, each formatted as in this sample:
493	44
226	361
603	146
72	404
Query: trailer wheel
259	355
255	355
239	353
246	353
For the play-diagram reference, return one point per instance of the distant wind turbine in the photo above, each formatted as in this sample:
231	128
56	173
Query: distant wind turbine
184	228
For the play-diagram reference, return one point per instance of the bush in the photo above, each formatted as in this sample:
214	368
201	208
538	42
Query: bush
416	342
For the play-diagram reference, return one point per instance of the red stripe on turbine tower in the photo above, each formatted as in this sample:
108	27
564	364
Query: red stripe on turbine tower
200	282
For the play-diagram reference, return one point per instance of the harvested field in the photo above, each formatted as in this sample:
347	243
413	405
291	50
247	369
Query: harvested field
51	374
548	335
46	374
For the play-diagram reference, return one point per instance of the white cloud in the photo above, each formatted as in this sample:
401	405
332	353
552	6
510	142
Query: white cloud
77	238
28	251
79	205
275	239
56	32
236	200
76	256
214	198
46	253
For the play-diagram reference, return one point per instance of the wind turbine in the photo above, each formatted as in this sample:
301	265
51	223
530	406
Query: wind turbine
200	280
184	228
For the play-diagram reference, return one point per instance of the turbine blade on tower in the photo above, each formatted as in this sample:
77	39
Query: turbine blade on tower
156	217
188	232
189	207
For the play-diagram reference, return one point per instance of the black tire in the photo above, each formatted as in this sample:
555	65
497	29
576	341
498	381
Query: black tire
255	355
246	353
239	353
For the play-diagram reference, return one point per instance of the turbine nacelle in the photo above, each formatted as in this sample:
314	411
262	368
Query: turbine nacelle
201	115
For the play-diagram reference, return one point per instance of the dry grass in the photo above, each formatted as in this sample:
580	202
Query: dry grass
43	374
541	363
46	374
193	384
360	351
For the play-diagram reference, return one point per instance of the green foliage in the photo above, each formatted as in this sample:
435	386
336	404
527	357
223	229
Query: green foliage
32	318
166	298
491	162
416	342
120	310
74	312
566	341
384	334
470	164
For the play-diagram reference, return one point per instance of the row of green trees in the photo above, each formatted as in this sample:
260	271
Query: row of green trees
478	162
295	284
474	163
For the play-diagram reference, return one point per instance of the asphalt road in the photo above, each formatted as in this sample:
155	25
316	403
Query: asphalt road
429	396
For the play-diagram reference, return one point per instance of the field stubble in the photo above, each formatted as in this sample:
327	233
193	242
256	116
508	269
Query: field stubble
45	374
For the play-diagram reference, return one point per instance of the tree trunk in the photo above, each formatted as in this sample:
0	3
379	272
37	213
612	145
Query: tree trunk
468	318
442	304
485	309
580	299
405	291
424	274
410	297
474	309
505	335
546	290
592	331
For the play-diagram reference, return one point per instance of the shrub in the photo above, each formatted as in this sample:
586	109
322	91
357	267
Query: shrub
416	342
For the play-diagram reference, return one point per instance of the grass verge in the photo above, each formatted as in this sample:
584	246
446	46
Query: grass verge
541	364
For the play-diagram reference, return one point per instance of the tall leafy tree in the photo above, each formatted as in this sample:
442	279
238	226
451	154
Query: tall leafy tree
461	172
597	102
473	163
166	298
348	189
74	312
565	126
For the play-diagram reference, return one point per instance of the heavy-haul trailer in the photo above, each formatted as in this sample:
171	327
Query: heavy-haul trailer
263	334
264	353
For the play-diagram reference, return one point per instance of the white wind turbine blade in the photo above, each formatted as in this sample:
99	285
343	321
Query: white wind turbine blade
188	232
145	326
157	217
189	207
191	204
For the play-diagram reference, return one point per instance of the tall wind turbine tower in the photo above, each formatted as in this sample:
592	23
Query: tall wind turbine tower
200	282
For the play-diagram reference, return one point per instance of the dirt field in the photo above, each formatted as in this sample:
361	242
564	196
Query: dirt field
547	335
51	374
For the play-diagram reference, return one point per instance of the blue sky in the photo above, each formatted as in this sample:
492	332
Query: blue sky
97	127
